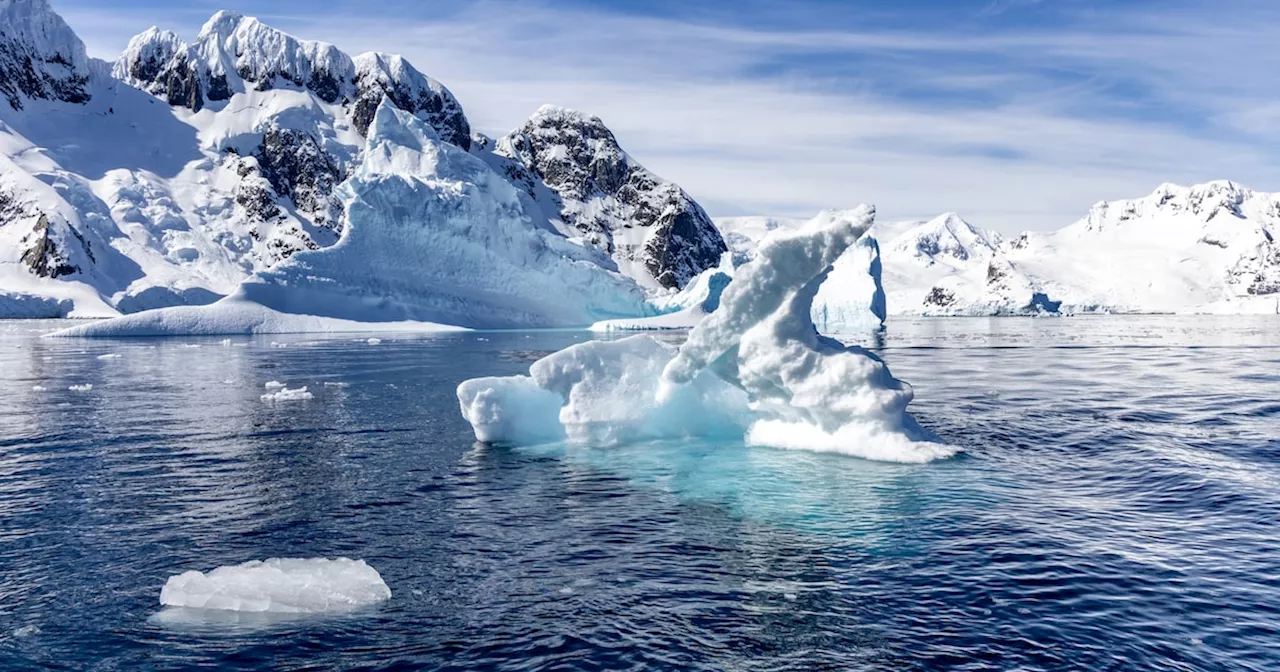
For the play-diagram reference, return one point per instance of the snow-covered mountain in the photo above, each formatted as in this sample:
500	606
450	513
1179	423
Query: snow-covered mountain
1206	248
177	172
571	164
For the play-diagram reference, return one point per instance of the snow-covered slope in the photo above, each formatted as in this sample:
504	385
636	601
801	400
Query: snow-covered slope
175	173
571	164
433	236
1174	250
1206	248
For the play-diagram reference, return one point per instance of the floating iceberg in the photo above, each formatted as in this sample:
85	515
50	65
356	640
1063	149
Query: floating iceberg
279	586
755	368
286	394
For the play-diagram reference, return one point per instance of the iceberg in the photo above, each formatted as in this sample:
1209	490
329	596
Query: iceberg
279	586
286	394
755	368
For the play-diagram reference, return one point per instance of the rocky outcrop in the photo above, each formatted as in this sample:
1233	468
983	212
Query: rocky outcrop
648	225
388	76
298	168
42	254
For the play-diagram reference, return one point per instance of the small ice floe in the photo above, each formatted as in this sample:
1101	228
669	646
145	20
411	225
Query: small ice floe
374	341
286	394
27	631
226	342
281	586
273	385
331	383
228	382
81	388
190	345
38	388
275	344
110	355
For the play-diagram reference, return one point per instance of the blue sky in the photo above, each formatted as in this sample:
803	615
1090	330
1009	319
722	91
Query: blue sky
1018	114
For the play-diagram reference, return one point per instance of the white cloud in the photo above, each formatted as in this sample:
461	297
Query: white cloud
1015	130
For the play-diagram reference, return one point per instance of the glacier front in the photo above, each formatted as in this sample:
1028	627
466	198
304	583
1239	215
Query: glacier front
756	368
432	237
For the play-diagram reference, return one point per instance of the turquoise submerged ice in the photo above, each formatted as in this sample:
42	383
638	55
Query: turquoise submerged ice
756	368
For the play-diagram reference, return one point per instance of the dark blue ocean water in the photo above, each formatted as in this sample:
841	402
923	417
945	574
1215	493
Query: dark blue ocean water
1115	508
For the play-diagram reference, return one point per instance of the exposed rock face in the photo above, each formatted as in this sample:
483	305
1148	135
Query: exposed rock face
234	53
43	256
298	168
390	76
281	237
645	223
40	57
164	66
939	297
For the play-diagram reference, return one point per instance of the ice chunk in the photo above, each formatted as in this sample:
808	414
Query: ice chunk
81	388
279	585
600	392
756	367
374	341
111	355
273	385
38	388
286	394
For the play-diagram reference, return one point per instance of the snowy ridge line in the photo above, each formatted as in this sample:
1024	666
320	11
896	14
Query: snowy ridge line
1208	248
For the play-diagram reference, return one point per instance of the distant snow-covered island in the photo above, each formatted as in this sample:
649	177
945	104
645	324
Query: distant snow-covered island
249	181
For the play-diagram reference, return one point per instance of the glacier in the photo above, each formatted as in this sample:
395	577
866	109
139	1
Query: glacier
432	237
188	171
278	586
755	368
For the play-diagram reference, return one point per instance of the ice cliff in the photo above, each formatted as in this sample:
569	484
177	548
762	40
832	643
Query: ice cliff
432	236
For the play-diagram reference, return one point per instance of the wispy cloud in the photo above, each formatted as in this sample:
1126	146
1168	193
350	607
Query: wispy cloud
1017	126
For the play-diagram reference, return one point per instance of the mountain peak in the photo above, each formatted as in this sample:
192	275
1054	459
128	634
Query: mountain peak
40	56
222	23
238	54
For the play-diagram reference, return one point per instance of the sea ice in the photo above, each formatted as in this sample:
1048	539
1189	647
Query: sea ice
374	341
38	388
286	394
273	385
111	355
279	585
81	388
755	368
